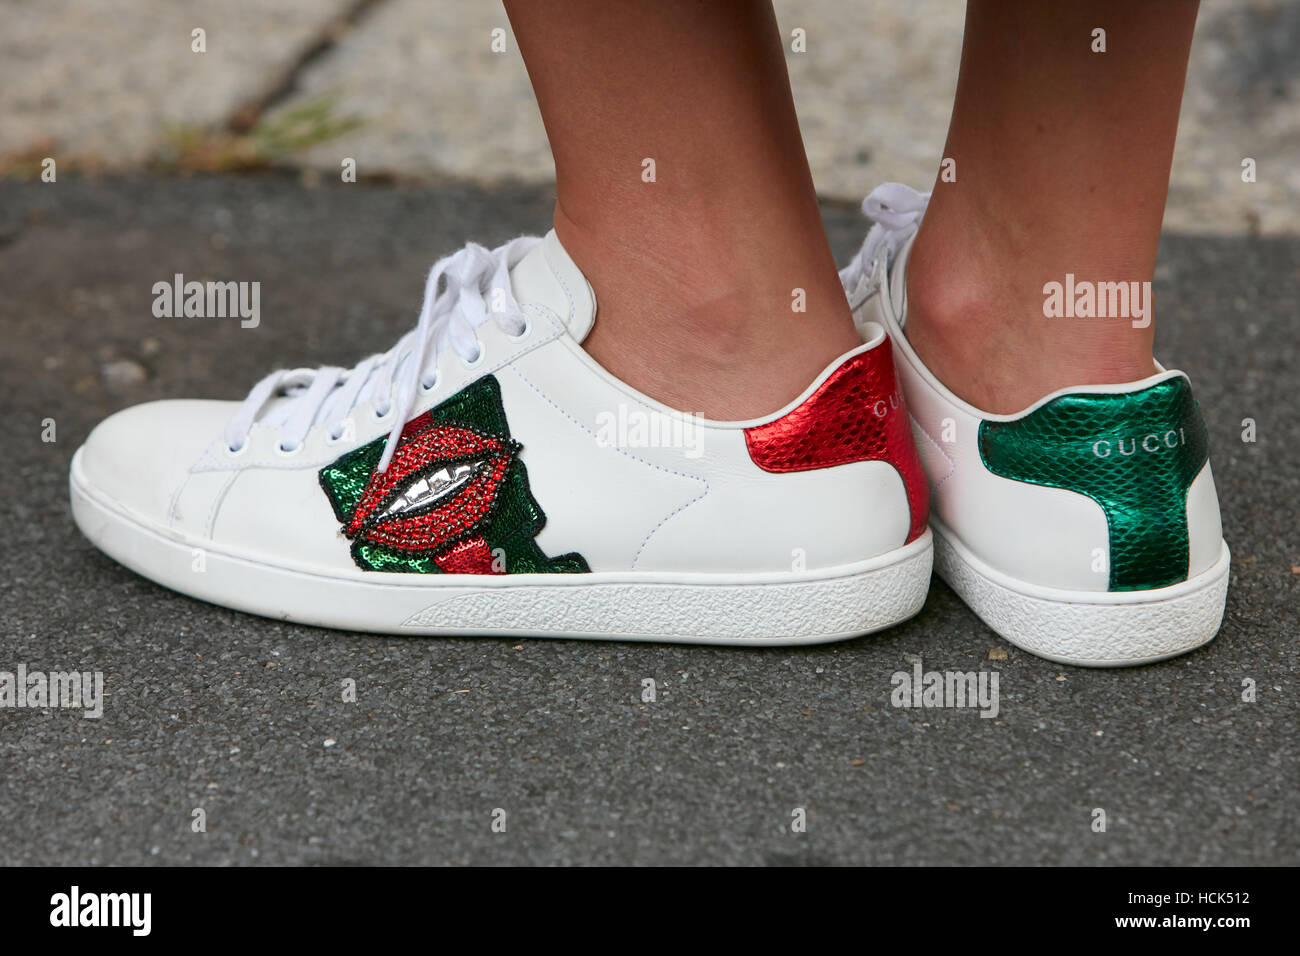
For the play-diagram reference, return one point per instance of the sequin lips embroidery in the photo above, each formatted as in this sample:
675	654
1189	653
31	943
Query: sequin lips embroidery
455	498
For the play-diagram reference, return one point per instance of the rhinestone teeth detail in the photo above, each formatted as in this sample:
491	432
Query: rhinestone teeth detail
439	486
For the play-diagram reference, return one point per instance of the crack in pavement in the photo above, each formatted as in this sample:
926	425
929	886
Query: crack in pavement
246	116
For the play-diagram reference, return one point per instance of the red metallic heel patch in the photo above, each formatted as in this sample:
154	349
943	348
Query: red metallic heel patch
855	415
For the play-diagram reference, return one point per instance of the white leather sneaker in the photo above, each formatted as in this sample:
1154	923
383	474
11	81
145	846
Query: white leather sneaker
1084	529
486	476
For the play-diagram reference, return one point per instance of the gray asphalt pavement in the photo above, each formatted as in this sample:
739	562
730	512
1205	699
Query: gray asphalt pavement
243	718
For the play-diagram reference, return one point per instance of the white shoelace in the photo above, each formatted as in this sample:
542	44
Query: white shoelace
895	211
475	287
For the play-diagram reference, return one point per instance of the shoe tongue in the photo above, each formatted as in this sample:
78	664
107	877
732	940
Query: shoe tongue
547	277
898	281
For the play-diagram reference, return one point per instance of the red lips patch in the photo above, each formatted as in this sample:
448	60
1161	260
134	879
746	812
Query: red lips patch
440	486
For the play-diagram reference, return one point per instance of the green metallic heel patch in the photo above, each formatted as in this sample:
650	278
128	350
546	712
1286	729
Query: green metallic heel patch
1135	454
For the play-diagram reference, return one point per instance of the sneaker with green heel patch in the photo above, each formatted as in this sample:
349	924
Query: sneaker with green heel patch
1084	529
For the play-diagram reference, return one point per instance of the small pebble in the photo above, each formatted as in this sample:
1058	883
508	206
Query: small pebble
123	373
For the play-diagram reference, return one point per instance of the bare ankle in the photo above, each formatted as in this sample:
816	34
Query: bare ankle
729	332
984	333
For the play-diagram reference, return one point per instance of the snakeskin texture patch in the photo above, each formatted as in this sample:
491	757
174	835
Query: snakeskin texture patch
857	414
1135	454
455	498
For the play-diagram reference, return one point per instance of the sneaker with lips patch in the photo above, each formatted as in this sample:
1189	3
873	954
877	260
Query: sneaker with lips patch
466	482
1084	529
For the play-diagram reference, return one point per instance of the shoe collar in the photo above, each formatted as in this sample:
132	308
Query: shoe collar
548	278
891	279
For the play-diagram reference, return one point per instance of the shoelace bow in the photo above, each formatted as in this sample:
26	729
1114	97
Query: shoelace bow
463	291
895	212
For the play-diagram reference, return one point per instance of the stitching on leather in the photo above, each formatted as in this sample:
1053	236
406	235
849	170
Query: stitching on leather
176	496
522	349
667	518
952	465
217	500
650	464
568	293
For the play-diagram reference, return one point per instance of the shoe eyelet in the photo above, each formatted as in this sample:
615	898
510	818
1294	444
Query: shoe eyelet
333	439
478	359
432	386
384	414
239	449
525	331
287	452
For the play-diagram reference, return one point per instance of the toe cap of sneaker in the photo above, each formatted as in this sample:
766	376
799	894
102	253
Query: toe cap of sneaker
141	456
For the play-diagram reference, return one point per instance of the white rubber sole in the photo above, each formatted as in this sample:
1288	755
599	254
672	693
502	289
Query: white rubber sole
804	607
1087	628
